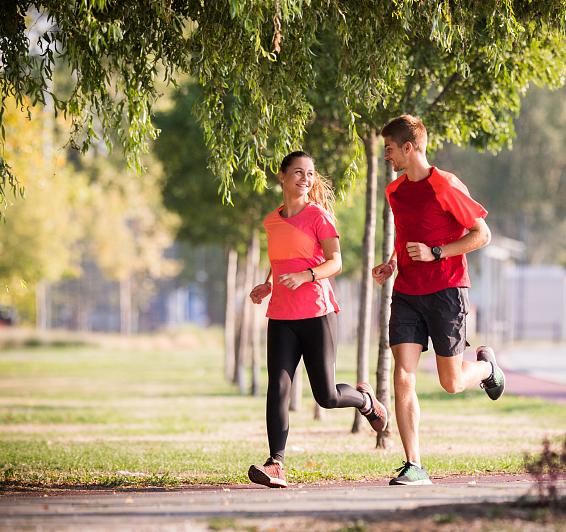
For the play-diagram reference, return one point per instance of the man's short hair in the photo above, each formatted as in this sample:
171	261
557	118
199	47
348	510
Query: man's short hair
406	128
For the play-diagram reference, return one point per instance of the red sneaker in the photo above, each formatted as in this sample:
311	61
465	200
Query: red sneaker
377	413
270	474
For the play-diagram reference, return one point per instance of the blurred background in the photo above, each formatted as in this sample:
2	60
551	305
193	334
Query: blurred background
93	247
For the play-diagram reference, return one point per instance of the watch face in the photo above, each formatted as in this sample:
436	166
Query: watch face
436	251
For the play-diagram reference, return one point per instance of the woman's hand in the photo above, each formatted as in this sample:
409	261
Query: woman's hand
259	292
294	280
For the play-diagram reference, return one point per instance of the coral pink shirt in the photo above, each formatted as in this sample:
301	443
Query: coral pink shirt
293	245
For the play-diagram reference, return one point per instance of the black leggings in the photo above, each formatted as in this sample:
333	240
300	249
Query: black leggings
315	340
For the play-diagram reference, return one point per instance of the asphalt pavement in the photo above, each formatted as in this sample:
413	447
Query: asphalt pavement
536	370
195	509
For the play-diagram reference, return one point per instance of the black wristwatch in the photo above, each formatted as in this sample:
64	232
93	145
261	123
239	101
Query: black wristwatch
437	252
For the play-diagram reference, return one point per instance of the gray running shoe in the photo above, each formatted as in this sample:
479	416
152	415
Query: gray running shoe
270	474
494	385
410	475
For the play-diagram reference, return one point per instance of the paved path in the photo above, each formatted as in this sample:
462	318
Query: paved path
191	509
537	370
546	362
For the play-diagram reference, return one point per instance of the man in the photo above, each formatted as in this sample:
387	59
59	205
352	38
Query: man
437	223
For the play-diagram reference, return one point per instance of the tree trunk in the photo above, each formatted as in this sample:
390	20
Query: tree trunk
383	374
245	324
126	306
239	302
230	317
257	320
41	306
255	317
366	292
297	389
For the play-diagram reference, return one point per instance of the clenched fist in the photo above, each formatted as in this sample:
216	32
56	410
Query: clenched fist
259	292
382	272
420	251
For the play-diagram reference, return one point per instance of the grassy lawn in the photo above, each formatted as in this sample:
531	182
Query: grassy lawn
164	416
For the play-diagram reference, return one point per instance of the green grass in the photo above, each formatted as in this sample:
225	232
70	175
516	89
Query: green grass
81	415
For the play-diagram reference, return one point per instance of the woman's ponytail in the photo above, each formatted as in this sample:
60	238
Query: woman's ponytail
322	193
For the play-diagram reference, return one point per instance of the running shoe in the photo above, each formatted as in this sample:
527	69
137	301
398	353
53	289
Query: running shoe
376	414
494	385
410	475
270	474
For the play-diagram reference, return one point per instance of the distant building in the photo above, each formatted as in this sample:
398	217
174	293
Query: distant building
516	301
539	302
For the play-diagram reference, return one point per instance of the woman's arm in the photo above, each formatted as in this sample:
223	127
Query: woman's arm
262	290
331	266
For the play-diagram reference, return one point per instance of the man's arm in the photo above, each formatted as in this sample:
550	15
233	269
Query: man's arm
478	236
382	272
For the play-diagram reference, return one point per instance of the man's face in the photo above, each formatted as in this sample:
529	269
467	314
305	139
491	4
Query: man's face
396	154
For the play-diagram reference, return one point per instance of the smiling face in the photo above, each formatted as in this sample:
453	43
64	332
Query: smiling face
297	180
396	154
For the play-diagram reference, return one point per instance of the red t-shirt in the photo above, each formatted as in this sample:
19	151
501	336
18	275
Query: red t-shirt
435	211
293	245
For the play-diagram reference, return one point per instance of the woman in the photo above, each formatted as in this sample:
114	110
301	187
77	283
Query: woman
304	252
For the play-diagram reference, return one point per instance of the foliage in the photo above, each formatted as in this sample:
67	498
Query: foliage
258	64
38	241
130	229
115	51
388	57
524	189
191	190
95	210
547	469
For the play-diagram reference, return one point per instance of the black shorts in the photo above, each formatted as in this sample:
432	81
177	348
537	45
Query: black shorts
441	315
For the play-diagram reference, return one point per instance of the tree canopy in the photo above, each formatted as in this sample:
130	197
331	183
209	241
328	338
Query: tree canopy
191	190
258	63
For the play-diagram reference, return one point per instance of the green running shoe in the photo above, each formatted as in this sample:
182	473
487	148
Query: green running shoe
494	385
410	475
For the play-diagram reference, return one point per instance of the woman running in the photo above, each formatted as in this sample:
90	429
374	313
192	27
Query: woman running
303	249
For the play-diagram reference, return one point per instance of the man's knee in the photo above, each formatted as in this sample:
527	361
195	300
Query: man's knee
404	380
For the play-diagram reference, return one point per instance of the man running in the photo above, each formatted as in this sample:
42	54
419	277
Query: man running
437	223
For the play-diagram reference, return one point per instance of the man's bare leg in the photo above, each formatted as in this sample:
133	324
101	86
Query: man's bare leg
407	409
456	374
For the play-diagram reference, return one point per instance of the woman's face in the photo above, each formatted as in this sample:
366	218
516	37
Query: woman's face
299	177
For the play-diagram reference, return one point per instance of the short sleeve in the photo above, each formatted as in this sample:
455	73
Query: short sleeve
455	198
324	226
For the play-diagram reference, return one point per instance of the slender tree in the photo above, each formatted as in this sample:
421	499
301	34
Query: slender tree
368	260
383	373
230	317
